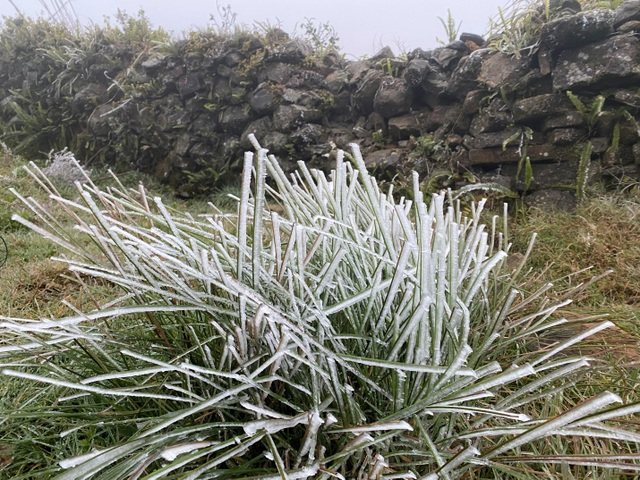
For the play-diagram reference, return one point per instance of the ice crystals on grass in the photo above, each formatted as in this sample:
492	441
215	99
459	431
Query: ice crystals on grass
171	453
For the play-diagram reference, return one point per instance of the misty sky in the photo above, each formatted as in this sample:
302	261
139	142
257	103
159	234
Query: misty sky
362	25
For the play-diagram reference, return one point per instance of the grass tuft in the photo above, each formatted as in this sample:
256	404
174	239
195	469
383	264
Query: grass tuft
343	333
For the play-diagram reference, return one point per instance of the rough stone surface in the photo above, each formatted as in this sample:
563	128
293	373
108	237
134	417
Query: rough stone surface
540	106
415	72
627	11
465	76
502	70
565	119
566	136
263	100
576	30
367	89
234	119
614	61
537	153
495	117
290	117
405	126
552	200
393	97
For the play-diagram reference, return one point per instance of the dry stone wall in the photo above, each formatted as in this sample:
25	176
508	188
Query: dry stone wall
458	114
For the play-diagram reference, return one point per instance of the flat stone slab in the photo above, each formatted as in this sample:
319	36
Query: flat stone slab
611	62
537	153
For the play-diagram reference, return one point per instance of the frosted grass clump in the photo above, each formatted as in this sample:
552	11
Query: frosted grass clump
351	335
63	167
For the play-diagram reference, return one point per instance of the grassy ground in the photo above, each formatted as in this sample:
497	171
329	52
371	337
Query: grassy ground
31	284
602	236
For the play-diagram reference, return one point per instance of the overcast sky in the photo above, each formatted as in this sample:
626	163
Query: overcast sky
362	25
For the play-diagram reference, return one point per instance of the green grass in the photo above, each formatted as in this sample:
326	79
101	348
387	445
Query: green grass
331	329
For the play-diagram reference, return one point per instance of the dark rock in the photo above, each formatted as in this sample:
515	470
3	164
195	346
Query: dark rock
599	145
415	72
182	144
275	141
500	70
260	128
405	126
393	97
98	123
552	200
356	71
453	140
435	81
618	176
89	97
367	89
382	54
564	7
233	58
627	97
153	64
307	79
449	56
173	117
224	71
471	103
309	134
629	133
472	37
384	160
277	72
290	117
493	139
264	99
537	153
293	52
623	155
420	53
465	76
627	11
337	81
547	175
375	123
234	119
577	30
188	84
448	115
563	120
540	106
495	117
565	136
614	61
630	27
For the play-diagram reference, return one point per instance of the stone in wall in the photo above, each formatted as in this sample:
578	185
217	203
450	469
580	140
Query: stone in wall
365	94
614	61
576	30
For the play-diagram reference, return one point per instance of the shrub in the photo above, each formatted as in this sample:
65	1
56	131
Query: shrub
351	335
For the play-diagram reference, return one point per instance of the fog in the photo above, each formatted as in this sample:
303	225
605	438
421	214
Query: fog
363	26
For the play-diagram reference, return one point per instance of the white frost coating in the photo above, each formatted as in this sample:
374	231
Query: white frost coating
274	425
330	420
75	461
171	453
376	427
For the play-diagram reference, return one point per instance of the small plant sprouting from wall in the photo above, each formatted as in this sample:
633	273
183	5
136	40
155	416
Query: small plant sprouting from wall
451	29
